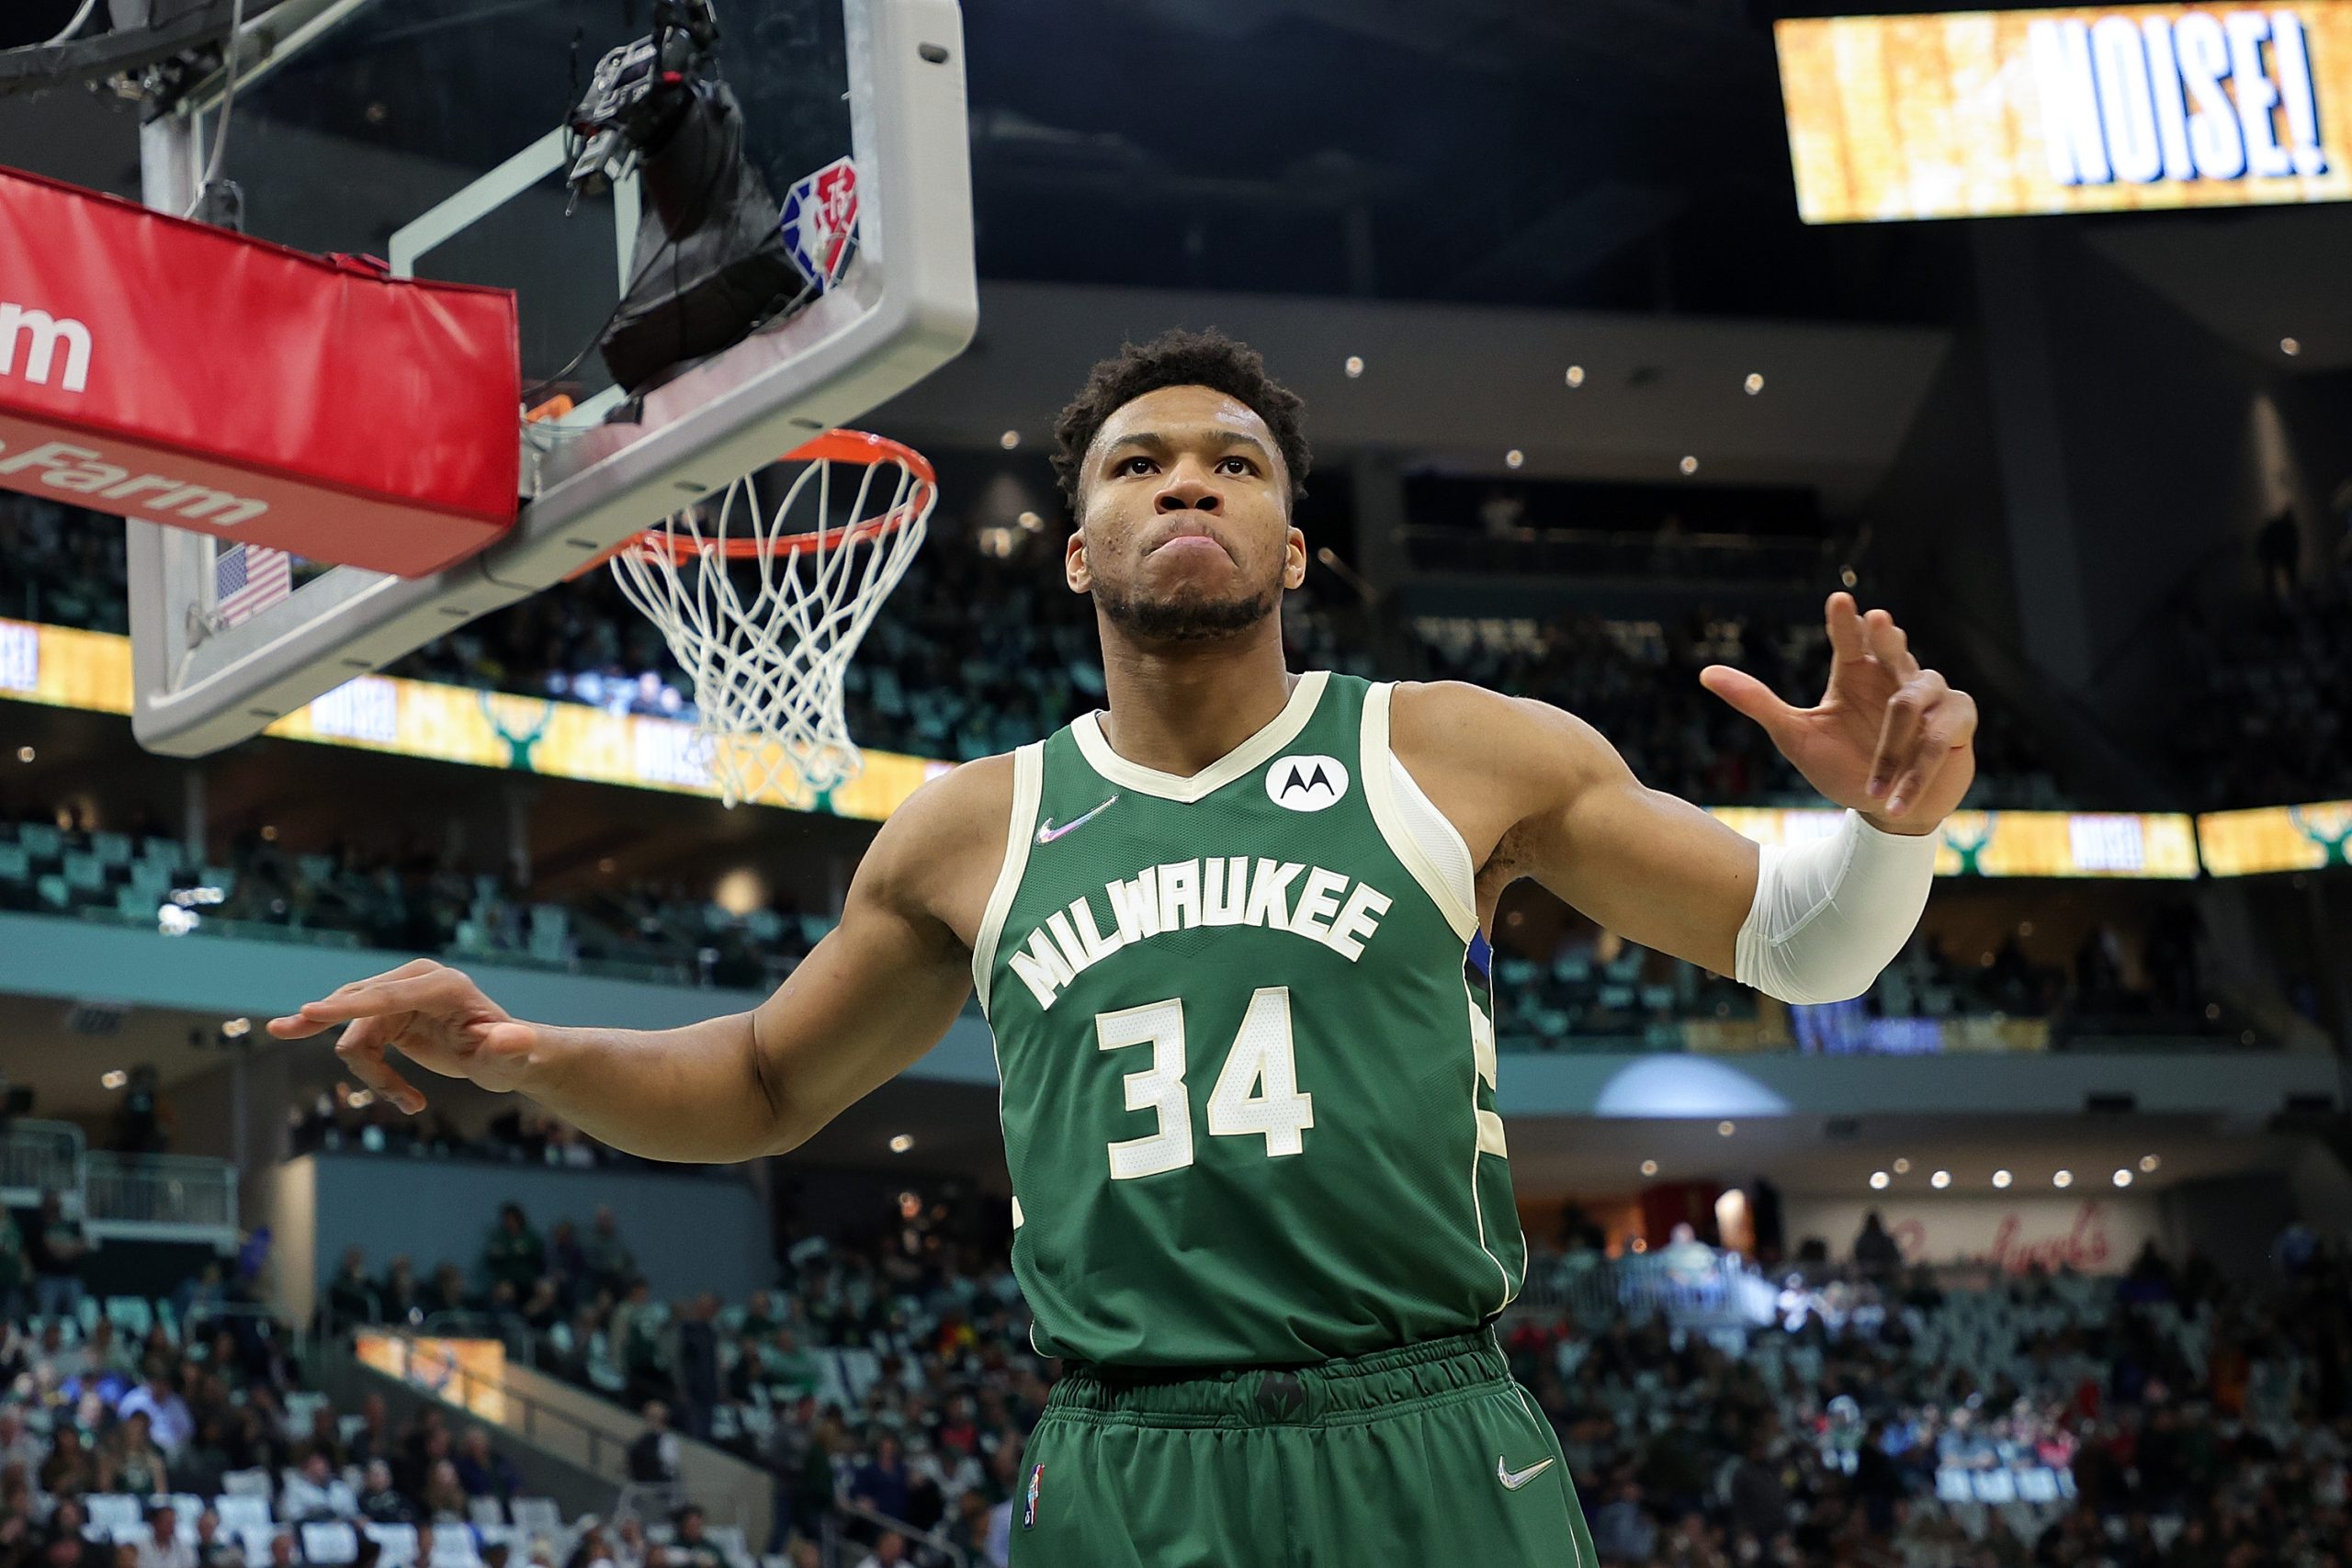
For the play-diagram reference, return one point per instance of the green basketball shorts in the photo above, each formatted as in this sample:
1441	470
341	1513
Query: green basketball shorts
1426	1453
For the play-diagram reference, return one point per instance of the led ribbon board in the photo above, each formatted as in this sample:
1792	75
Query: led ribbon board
1982	114
64	666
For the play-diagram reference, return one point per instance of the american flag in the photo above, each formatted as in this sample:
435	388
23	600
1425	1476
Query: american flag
247	578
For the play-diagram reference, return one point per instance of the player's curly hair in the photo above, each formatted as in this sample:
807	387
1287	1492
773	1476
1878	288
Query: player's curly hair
1181	358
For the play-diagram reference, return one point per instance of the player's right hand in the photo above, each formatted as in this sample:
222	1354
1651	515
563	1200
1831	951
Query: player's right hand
433	1015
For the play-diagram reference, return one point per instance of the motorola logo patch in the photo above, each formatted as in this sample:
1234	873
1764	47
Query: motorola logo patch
1306	782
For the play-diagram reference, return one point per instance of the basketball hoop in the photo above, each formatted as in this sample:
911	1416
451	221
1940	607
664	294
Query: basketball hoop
765	621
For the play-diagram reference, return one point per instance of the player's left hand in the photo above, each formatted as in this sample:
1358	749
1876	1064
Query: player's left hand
1888	739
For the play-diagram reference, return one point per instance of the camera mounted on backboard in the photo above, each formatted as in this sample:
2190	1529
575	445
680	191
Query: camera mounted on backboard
638	93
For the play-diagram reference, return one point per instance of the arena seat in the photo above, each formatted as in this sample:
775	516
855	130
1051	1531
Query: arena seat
330	1545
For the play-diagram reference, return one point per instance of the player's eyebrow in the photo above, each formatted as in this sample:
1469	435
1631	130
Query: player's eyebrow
1155	441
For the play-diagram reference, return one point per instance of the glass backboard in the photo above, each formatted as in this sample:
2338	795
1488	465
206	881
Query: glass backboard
429	133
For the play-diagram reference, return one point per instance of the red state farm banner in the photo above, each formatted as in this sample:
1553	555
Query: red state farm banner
178	373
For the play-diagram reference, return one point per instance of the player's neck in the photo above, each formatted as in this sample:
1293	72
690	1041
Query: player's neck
1177	707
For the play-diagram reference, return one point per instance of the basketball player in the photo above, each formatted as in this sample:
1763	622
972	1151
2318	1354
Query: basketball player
1228	932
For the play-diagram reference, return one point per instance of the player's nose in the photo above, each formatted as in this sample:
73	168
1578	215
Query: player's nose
1187	491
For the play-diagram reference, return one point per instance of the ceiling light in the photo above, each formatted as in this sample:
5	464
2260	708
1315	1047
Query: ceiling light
1940	1181
1649	1168
1878	1181
1903	1168
1009	440
1689	465
1030	521
2002	1179
237	1027
2289	345
269	832
114	1080
2148	1164
24	753
2123	1178
1754	383
901	1144
1576	374
2063	1179
1514	458
1355	367
1726	1128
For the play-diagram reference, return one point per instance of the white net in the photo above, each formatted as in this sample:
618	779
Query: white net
763	604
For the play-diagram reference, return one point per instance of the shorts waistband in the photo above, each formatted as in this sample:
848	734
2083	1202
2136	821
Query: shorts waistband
1381	1382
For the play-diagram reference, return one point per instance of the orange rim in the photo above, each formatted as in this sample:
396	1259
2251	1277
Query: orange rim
833	447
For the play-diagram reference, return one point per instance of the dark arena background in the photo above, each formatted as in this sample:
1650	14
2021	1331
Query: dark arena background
1629	332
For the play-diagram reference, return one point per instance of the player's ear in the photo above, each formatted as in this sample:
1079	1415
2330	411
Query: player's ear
1074	572
1294	559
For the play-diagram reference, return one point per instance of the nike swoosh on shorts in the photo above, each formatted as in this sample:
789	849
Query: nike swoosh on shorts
1514	1480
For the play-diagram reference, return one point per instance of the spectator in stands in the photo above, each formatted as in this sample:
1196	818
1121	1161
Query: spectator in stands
567	1261
447	1292
611	1265
15	1271
482	1470
889	1552
444	1502
70	1468
20	1451
213	1549
142	1123
200	1467
882	1484
372	1439
163	1548
314	1490
636	1330
513	1255
351	1296
653	1458
400	1299
1875	1252
55	1250
128	1454
67	1523
166	1411
699	1363
594	1549
693	1547
380	1501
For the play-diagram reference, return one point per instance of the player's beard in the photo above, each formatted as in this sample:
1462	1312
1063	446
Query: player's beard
1184	618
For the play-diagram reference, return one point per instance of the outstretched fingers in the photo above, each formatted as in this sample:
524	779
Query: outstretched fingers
1950	724
1891	646
1906	721
337	1005
1848	639
362	1050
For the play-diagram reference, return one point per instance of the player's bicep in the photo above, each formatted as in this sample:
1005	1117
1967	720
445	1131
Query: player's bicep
869	1000
1653	868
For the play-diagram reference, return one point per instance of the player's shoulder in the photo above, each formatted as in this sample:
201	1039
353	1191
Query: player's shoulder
1455	720
966	798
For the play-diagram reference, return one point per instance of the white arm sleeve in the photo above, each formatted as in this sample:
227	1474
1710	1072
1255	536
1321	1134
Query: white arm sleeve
1830	915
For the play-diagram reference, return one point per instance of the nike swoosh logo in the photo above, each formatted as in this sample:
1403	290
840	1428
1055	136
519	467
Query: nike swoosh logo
1047	832
1514	1480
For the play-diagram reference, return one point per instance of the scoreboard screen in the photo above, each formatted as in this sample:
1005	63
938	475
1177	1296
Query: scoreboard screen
1981	113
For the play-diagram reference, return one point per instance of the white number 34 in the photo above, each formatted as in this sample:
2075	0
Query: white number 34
1261	1055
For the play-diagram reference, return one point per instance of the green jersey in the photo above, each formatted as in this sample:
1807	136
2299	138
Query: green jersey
1248	1063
